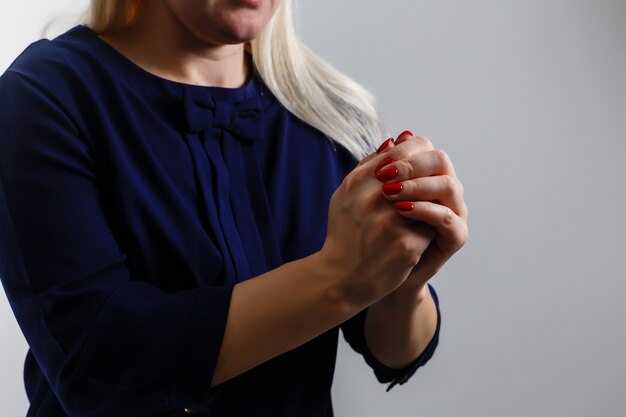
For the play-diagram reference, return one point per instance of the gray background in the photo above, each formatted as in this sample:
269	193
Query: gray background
529	99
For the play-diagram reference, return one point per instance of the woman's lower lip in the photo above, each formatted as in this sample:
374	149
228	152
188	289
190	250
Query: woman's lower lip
251	3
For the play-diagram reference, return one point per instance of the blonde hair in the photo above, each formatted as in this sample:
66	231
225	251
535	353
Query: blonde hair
111	15
306	85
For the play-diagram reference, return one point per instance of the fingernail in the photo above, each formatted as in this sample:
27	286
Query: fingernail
387	173
383	163
392	189
403	205
384	145
406	132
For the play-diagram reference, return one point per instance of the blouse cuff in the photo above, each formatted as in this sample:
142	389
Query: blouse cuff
403	375
383	372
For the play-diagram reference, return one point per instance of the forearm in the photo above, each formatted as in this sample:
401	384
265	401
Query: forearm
276	312
399	327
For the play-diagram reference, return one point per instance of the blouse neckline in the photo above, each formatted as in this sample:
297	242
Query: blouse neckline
232	94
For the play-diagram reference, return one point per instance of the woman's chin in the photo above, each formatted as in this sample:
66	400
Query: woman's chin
241	33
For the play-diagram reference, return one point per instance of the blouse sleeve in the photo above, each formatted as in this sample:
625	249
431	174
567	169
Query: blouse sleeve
107	342
354	333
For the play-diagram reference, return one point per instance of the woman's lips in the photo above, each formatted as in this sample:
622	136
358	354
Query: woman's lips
250	3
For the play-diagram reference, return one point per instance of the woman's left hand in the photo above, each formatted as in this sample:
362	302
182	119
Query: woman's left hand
422	183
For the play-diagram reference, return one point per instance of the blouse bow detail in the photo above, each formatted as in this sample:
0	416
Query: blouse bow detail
224	128
243	119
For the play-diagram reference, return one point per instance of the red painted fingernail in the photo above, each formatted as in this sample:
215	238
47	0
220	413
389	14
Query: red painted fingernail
383	163
387	173
392	189
406	132
384	145
403	205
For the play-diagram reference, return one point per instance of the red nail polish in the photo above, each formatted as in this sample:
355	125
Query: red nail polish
384	146
383	163
403	205
392	189
406	132
387	173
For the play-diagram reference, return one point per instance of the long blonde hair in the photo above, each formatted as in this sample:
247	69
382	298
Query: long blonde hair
305	84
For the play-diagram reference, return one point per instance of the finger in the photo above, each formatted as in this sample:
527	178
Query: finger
404	136
394	152
452	229
424	164
408	148
430	263
444	189
384	147
404	148
423	230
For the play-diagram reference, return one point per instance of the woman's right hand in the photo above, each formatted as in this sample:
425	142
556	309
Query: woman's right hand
369	249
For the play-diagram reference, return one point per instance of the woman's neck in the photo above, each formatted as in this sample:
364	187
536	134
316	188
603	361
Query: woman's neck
163	46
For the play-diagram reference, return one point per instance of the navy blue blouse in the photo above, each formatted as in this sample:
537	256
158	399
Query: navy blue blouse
130	205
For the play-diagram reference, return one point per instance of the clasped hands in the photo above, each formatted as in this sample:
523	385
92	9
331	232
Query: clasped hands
395	220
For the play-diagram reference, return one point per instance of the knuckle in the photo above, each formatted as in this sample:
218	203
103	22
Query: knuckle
424	141
413	187
443	158
432	211
406	248
460	188
352	180
463	211
402	151
361	171
349	183
464	234
449	184
449	217
386	224
369	201
442	154
460	237
407	168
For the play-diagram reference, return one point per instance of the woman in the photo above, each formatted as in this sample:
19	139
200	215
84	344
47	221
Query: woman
180	235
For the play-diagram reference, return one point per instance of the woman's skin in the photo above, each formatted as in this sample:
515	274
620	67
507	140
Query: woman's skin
194	41
408	315
374	255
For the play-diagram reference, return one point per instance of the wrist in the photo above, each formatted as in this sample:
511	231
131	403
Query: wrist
333	289
408	296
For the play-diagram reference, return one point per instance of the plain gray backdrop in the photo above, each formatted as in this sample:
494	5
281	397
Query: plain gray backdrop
528	97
